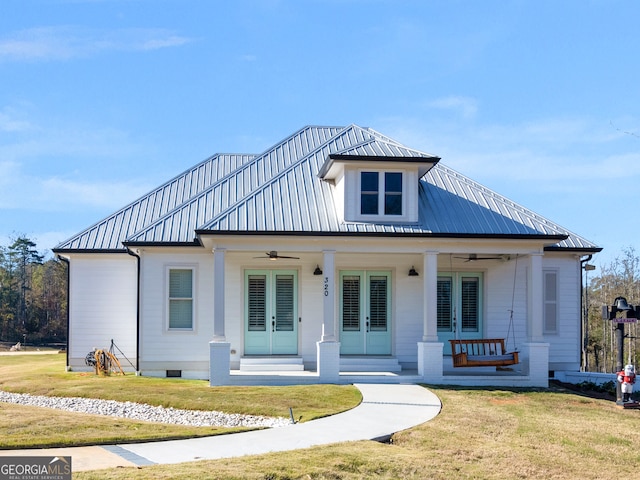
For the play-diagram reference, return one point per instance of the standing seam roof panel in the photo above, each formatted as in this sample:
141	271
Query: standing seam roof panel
285	177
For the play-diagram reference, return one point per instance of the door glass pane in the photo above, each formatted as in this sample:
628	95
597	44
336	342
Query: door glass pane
378	303
284	303
470	304
351	303
257	304
444	304
369	193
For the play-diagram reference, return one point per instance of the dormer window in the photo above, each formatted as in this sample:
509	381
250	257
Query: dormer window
372	202
376	189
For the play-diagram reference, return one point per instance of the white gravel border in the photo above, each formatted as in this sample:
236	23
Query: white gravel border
144	412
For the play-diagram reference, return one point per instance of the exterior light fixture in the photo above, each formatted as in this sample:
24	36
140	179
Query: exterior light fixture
318	270
412	272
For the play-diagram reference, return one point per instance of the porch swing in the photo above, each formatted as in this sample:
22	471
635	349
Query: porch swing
486	352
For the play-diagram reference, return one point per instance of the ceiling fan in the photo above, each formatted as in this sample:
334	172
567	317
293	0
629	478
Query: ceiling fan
273	255
473	257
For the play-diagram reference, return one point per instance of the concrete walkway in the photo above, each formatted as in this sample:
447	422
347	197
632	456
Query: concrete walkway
385	409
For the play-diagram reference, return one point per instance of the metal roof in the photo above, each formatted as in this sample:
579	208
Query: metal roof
279	191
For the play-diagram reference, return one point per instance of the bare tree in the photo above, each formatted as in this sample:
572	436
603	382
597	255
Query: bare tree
620	278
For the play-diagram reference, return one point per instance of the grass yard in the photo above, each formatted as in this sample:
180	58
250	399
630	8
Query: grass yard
29	427
480	433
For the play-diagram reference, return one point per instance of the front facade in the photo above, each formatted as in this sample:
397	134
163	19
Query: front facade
335	253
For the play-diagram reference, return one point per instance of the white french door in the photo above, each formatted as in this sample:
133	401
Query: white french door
271	312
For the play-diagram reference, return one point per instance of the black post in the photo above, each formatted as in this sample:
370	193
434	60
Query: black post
620	360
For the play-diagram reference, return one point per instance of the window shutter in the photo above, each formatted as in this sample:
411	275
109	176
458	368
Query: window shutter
257	302
470	304
351	303
444	304
378	303
284	303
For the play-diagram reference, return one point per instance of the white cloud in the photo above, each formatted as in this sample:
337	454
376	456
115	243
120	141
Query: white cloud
66	168
563	150
100	194
465	106
10	123
66	42
24	191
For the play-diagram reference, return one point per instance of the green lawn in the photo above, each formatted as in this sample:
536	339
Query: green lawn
45	375
480	433
493	434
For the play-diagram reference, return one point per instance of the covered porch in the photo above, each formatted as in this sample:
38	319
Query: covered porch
368	370
431	359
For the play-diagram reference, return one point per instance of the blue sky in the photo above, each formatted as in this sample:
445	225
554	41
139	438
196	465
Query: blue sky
102	100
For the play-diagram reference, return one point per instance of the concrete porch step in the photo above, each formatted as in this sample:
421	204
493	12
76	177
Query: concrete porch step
271	364
369	364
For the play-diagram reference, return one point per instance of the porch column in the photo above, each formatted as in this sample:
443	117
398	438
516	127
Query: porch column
328	348
218	295
430	297
536	299
430	350
329	294
219	348
537	352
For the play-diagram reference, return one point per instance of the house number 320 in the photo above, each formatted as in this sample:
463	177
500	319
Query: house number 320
326	286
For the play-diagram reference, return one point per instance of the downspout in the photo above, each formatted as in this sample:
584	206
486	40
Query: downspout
66	260
584	315
134	254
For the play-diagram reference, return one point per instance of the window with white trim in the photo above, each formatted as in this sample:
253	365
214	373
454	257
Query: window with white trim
180	310
381	193
550	301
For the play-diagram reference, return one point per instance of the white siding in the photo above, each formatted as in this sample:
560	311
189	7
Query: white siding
311	297
408	316
188	351
506	290
102	305
162	349
564	352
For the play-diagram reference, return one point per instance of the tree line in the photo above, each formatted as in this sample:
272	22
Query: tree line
33	295
620	278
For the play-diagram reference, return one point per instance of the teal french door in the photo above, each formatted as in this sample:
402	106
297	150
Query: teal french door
271	312
459	307
365	313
